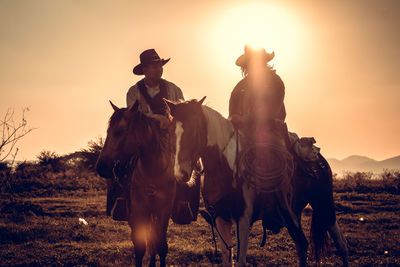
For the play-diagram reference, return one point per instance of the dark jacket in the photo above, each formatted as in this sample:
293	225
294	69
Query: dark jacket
262	92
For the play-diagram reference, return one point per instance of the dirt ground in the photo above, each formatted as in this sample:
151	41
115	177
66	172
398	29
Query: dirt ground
47	231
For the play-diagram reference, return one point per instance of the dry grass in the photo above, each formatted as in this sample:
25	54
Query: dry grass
39	226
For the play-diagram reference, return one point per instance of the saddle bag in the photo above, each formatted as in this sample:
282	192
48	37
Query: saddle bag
186	204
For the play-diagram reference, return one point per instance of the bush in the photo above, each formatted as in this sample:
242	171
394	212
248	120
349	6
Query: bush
4	166
367	182
27	169
5	170
91	153
48	158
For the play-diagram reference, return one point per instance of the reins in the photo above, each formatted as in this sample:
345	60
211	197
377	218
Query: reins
211	213
229	139
210	208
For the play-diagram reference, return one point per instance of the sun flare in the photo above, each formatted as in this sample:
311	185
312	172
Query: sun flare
260	25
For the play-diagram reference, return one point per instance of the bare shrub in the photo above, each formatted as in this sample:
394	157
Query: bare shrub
11	132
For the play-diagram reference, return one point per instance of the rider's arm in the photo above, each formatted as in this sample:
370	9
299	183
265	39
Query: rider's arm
235	106
234	101
132	96
175	92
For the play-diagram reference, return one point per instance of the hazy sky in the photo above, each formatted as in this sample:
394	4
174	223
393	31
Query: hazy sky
339	61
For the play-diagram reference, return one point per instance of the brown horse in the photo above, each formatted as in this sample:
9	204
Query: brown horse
136	144
202	132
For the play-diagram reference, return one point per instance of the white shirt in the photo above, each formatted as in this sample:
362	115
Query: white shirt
174	93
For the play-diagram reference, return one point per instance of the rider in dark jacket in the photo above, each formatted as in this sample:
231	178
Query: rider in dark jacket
258	97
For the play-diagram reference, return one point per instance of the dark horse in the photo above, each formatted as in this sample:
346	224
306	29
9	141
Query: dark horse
312	183
202	132
138	145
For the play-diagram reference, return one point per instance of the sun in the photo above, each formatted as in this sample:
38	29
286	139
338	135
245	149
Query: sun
260	25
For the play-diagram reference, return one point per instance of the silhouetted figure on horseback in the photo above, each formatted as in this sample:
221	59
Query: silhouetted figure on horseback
259	96
138	162
255	107
148	93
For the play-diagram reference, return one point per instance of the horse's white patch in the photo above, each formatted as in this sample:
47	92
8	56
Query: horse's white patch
230	152
178	134
220	133
219	129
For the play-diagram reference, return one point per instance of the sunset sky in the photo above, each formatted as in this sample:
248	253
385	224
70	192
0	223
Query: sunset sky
339	60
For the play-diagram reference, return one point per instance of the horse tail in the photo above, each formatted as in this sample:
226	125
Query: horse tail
319	235
264	238
324	215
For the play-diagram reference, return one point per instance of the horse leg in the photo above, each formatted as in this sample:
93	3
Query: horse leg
249	196
340	242
152	261
152	242
139	244
153	239
225	240
162	248
295	231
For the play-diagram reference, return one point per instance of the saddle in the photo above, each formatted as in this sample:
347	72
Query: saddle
315	169
307	156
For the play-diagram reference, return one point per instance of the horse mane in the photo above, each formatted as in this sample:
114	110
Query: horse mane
219	129
160	140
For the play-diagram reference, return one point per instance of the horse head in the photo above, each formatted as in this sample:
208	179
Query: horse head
129	132
187	125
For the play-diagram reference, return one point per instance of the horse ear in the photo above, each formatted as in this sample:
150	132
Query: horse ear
134	107
170	104
114	106
202	100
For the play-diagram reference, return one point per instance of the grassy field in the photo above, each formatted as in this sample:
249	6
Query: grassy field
40	226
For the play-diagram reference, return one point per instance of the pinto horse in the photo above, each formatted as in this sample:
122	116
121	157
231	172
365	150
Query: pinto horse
138	144
202	132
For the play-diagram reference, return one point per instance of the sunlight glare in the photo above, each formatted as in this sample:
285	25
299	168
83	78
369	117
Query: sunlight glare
260	25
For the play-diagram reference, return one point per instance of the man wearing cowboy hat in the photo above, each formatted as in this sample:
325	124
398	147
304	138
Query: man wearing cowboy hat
259	95
150	90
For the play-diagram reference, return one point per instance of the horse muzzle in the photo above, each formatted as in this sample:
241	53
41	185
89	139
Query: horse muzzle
104	171
108	168
182	170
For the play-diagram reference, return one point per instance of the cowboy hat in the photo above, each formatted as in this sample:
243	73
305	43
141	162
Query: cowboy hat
146	57
251	53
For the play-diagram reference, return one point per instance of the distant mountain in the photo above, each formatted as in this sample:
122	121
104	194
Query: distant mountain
363	164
